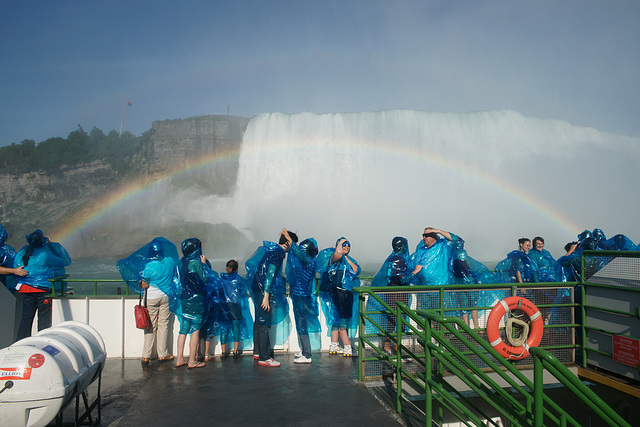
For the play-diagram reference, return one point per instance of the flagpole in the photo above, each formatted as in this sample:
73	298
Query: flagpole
124	114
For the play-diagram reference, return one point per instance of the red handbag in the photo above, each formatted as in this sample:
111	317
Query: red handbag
143	321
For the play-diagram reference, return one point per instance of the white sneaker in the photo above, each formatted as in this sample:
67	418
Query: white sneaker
270	363
298	354
348	351
302	359
334	348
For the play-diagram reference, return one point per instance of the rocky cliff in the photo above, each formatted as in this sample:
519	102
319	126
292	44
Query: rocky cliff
44	200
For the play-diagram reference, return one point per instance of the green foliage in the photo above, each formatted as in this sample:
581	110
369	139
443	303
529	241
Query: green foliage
125	154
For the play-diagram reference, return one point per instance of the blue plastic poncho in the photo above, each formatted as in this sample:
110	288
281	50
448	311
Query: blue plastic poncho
395	271
156	263
396	267
339	305
600	238
301	267
265	270
195	294
7	255
514	262
218	321
436	261
240	329
437	269
463	274
43	260
544	264
301	276
570	264
619	242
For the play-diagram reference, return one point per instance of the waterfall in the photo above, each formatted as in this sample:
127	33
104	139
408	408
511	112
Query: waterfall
490	177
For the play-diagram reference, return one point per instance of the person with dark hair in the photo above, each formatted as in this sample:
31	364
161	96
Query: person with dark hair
7	254
393	272
195	273
619	242
433	259
343	272
547	271
267	290
570	263
543	261
43	260
237	306
518	267
301	276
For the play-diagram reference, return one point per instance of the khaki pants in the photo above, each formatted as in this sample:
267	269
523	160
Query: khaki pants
159	336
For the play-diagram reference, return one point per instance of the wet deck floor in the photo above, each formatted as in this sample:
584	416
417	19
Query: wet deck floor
239	392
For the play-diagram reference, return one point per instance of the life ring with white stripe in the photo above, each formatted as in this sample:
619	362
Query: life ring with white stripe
493	327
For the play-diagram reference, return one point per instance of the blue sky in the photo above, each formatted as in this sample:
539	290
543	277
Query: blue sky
68	63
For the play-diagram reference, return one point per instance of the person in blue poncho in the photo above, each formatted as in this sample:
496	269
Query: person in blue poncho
463	274
7	272
619	242
433	259
546	268
237	306
394	272
543	261
153	269
267	291
194	300
301	276
518	267
342	273
218	319
570	263
43	260
600	238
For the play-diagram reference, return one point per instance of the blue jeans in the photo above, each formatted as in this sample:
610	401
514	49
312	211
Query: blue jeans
32	302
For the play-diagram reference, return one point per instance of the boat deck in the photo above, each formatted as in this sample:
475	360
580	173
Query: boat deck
238	392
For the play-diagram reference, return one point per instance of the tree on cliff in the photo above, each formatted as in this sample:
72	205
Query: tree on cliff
123	154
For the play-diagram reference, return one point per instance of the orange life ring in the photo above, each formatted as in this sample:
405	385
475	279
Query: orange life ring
493	327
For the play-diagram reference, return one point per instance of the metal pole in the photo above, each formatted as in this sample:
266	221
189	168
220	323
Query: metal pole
124	114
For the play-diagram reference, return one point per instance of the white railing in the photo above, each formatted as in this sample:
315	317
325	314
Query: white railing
113	318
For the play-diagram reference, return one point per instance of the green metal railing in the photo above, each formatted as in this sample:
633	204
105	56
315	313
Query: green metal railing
59	287
439	359
544	361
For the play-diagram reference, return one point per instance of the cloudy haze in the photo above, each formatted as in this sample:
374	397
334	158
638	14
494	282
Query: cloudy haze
70	63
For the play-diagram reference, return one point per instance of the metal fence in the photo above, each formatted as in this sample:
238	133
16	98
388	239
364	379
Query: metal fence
379	344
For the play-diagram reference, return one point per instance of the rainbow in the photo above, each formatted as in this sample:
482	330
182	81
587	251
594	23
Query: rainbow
135	188
140	186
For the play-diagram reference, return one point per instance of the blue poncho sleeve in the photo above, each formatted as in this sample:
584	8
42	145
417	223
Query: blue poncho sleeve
7	255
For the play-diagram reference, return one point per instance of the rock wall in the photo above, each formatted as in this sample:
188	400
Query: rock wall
40	200
212	140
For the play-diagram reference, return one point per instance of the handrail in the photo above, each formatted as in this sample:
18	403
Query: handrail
544	360
536	406
64	280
